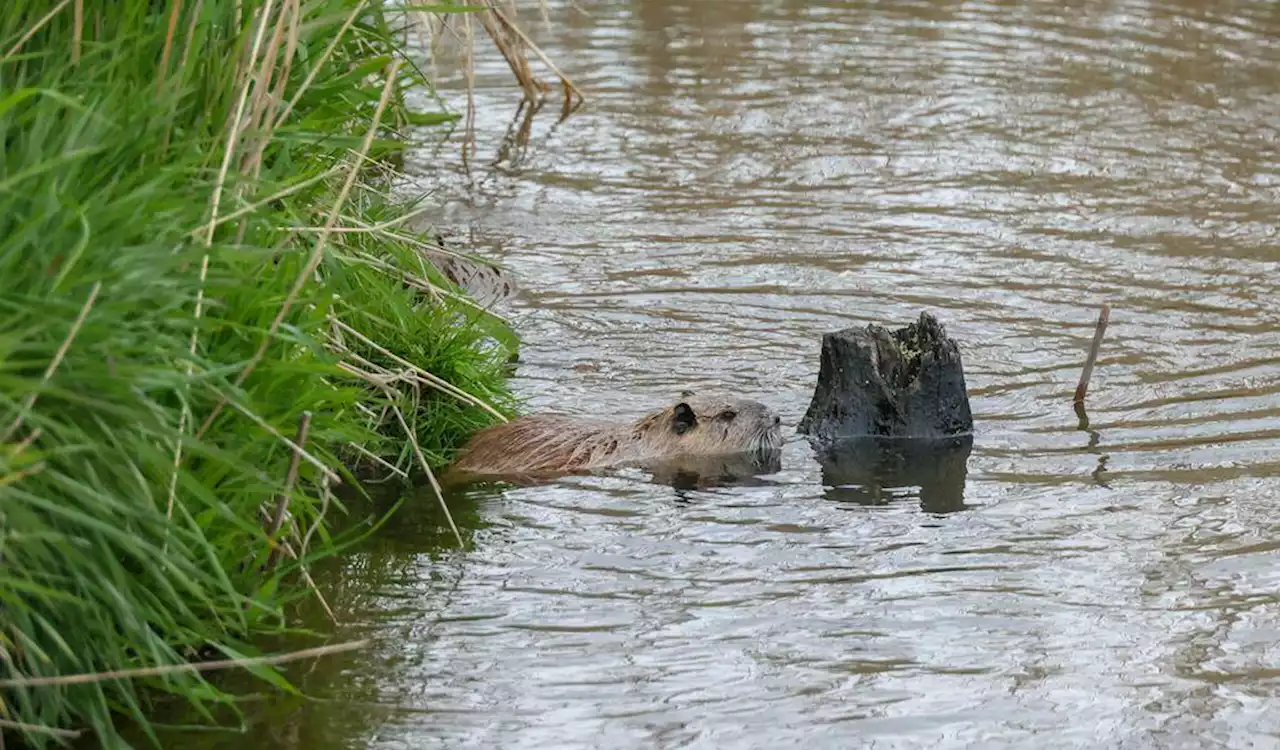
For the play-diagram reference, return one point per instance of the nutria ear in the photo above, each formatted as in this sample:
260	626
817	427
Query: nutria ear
684	418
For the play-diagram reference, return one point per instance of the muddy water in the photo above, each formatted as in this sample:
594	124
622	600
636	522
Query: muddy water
747	176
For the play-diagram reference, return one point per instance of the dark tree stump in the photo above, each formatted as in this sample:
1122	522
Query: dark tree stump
874	382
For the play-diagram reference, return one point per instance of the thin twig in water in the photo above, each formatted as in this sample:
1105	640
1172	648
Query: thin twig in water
431	477
311	584
313	262
282	504
1083	386
205	666
30	401
283	545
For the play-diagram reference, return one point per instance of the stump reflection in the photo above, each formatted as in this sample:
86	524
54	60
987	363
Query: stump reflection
873	470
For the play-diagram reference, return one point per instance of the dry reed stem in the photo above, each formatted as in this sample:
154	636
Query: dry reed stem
385	375
439	383
374	378
191	33
422	284
177	464
315	69
282	80
311	584
438	249
1083	386
292	445
431	477
282	504
69	734
541	55
267	69
512	53
282	545
469	71
259	204
215	201
233	137
20	448
77	31
30	400
32	31
268	66
168	42
364	228
265	96
429	247
22	474
182	66
206	666
317	253
326	495
368	454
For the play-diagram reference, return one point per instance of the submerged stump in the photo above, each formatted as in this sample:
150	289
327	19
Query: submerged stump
873	382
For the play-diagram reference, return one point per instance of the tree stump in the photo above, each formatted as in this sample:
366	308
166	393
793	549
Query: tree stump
874	382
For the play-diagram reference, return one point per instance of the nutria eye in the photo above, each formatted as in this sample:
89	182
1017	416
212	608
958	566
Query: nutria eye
685	419
728	416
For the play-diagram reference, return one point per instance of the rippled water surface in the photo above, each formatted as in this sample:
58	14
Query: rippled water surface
747	176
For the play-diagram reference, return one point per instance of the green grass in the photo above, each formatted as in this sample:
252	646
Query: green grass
130	333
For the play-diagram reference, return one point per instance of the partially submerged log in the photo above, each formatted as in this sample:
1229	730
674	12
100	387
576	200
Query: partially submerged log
873	382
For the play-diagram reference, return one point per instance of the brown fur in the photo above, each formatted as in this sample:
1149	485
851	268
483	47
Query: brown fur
548	444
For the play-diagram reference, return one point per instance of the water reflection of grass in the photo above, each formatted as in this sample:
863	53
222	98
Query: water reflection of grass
175	294
394	541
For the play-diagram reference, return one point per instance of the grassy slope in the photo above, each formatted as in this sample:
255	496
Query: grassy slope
116	132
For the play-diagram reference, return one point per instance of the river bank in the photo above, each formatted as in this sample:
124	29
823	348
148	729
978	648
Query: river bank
210	312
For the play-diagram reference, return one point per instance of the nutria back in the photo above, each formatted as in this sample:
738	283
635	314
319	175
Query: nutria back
548	444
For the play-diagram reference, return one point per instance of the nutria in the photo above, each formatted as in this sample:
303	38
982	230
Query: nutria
549	444
486	283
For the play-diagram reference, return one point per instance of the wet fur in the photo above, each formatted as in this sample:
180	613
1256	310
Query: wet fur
547	444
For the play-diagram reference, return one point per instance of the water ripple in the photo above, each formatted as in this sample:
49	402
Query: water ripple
749	176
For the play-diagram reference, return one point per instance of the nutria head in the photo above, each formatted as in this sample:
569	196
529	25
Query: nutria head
709	425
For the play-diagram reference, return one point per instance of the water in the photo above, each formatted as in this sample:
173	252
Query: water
748	176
